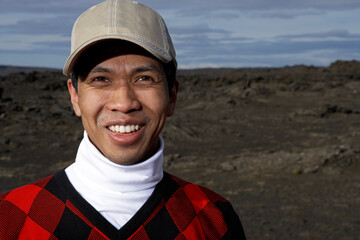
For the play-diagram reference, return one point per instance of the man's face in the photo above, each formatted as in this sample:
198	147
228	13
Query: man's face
123	100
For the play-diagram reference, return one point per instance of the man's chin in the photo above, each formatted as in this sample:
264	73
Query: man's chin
125	160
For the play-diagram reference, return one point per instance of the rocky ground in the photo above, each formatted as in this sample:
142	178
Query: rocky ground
282	144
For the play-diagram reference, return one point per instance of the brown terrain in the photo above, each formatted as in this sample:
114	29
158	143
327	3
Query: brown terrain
282	144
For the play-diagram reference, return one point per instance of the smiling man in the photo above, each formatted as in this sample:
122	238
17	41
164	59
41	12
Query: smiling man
123	86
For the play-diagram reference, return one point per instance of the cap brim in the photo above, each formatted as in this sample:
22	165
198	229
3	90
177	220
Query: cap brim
73	58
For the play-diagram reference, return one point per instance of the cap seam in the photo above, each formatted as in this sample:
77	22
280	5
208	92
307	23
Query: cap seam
162	32
109	16
115	16
143	40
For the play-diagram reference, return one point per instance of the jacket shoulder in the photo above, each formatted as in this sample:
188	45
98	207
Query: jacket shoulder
207	210
196	191
22	197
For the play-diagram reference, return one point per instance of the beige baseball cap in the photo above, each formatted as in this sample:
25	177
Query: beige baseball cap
124	20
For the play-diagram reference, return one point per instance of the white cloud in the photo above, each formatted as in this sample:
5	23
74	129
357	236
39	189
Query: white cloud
20	42
286	13
332	34
9	19
46	6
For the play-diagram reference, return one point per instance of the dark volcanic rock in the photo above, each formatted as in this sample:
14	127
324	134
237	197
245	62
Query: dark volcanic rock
282	144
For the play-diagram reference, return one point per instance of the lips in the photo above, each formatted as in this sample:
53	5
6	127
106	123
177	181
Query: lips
125	134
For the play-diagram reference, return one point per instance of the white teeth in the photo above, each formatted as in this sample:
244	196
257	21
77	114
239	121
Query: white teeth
128	129
124	129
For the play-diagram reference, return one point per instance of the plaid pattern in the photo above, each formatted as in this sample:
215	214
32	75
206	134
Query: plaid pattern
51	209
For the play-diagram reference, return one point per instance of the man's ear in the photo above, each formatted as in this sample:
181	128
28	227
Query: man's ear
74	98
173	97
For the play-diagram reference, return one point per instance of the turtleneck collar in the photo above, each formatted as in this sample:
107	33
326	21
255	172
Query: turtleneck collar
91	165
115	191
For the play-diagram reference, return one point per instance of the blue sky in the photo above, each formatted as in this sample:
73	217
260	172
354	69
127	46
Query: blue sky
206	33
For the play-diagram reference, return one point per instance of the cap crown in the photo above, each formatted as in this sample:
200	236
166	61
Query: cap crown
124	20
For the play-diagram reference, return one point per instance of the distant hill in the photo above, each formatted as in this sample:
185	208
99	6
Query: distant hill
6	70
342	65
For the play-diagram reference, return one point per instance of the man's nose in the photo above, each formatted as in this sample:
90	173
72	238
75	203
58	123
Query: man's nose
123	99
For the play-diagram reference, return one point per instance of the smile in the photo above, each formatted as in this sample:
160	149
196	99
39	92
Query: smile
124	129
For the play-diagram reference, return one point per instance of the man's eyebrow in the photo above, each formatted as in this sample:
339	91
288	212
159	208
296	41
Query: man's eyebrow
139	69
99	69
147	68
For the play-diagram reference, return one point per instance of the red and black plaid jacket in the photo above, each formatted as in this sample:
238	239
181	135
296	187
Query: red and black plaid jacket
52	209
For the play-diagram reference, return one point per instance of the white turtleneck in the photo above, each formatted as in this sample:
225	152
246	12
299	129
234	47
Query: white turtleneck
116	191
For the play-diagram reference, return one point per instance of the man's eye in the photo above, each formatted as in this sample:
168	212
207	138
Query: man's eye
145	79
99	79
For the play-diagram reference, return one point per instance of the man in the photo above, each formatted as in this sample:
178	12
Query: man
123	86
